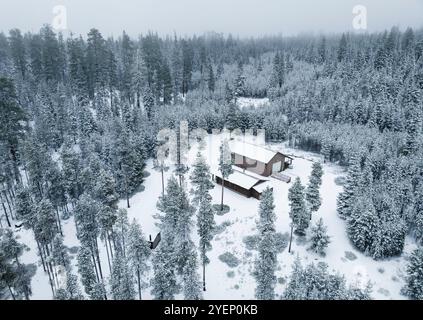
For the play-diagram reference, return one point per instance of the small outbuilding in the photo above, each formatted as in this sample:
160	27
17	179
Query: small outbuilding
247	184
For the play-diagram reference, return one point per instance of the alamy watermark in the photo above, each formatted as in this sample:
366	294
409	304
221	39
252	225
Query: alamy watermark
60	18
359	21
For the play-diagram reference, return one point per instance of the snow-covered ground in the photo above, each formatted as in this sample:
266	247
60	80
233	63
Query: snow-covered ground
228	283
254	103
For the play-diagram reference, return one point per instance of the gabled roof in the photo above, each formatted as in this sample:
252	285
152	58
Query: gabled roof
241	179
252	151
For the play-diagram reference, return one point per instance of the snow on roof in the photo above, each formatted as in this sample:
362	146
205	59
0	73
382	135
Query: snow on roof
262	186
252	151
241	179
249	173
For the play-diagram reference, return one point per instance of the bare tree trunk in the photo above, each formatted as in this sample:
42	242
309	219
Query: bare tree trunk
123	241
98	259
110	244
58	221
41	256
223	188
5	213
95	265
163	188
11	292
8	205
108	255
139	283
290	241
204	276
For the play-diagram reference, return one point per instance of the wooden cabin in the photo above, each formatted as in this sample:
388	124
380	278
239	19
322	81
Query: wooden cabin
257	159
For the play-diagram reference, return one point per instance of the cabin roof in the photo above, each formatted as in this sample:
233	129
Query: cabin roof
252	151
241	179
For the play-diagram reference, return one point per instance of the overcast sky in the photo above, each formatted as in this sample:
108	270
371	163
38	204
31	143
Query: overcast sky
186	17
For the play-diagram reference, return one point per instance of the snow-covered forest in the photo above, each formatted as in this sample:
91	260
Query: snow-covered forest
82	190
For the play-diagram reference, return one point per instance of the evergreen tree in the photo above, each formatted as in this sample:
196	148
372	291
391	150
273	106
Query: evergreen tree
342	49
121	281
105	189
138	253
192	285
200	179
319	238
211	82
265	265
60	254
18	52
345	198
362	224
298	211
11	128
164	283
225	165
312	193
71	291
86	269
206	226
414	279
24	207
14	276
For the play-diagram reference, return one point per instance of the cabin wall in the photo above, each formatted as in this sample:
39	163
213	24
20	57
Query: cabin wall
258	167
278	157
249	164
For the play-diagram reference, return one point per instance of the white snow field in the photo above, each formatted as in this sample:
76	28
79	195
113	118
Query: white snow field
254	103
228	283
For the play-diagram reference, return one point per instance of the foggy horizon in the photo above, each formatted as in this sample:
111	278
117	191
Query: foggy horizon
243	19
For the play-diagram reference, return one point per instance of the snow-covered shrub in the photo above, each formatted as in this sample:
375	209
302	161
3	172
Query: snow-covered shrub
229	259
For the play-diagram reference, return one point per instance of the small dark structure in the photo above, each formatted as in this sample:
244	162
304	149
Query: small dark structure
155	243
257	159
243	183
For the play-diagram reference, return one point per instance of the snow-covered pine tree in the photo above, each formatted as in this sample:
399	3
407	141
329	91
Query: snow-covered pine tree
352	180
239	85
191	283
205	225
71	291
200	179
295	288
15	276
60	254
225	165
265	264
319	238
98	291
418	213
89	218
312	192
298	210
86	269
138	253
121	280
71	167
105	189
24	207
176	223
362	224
414	280
164	282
